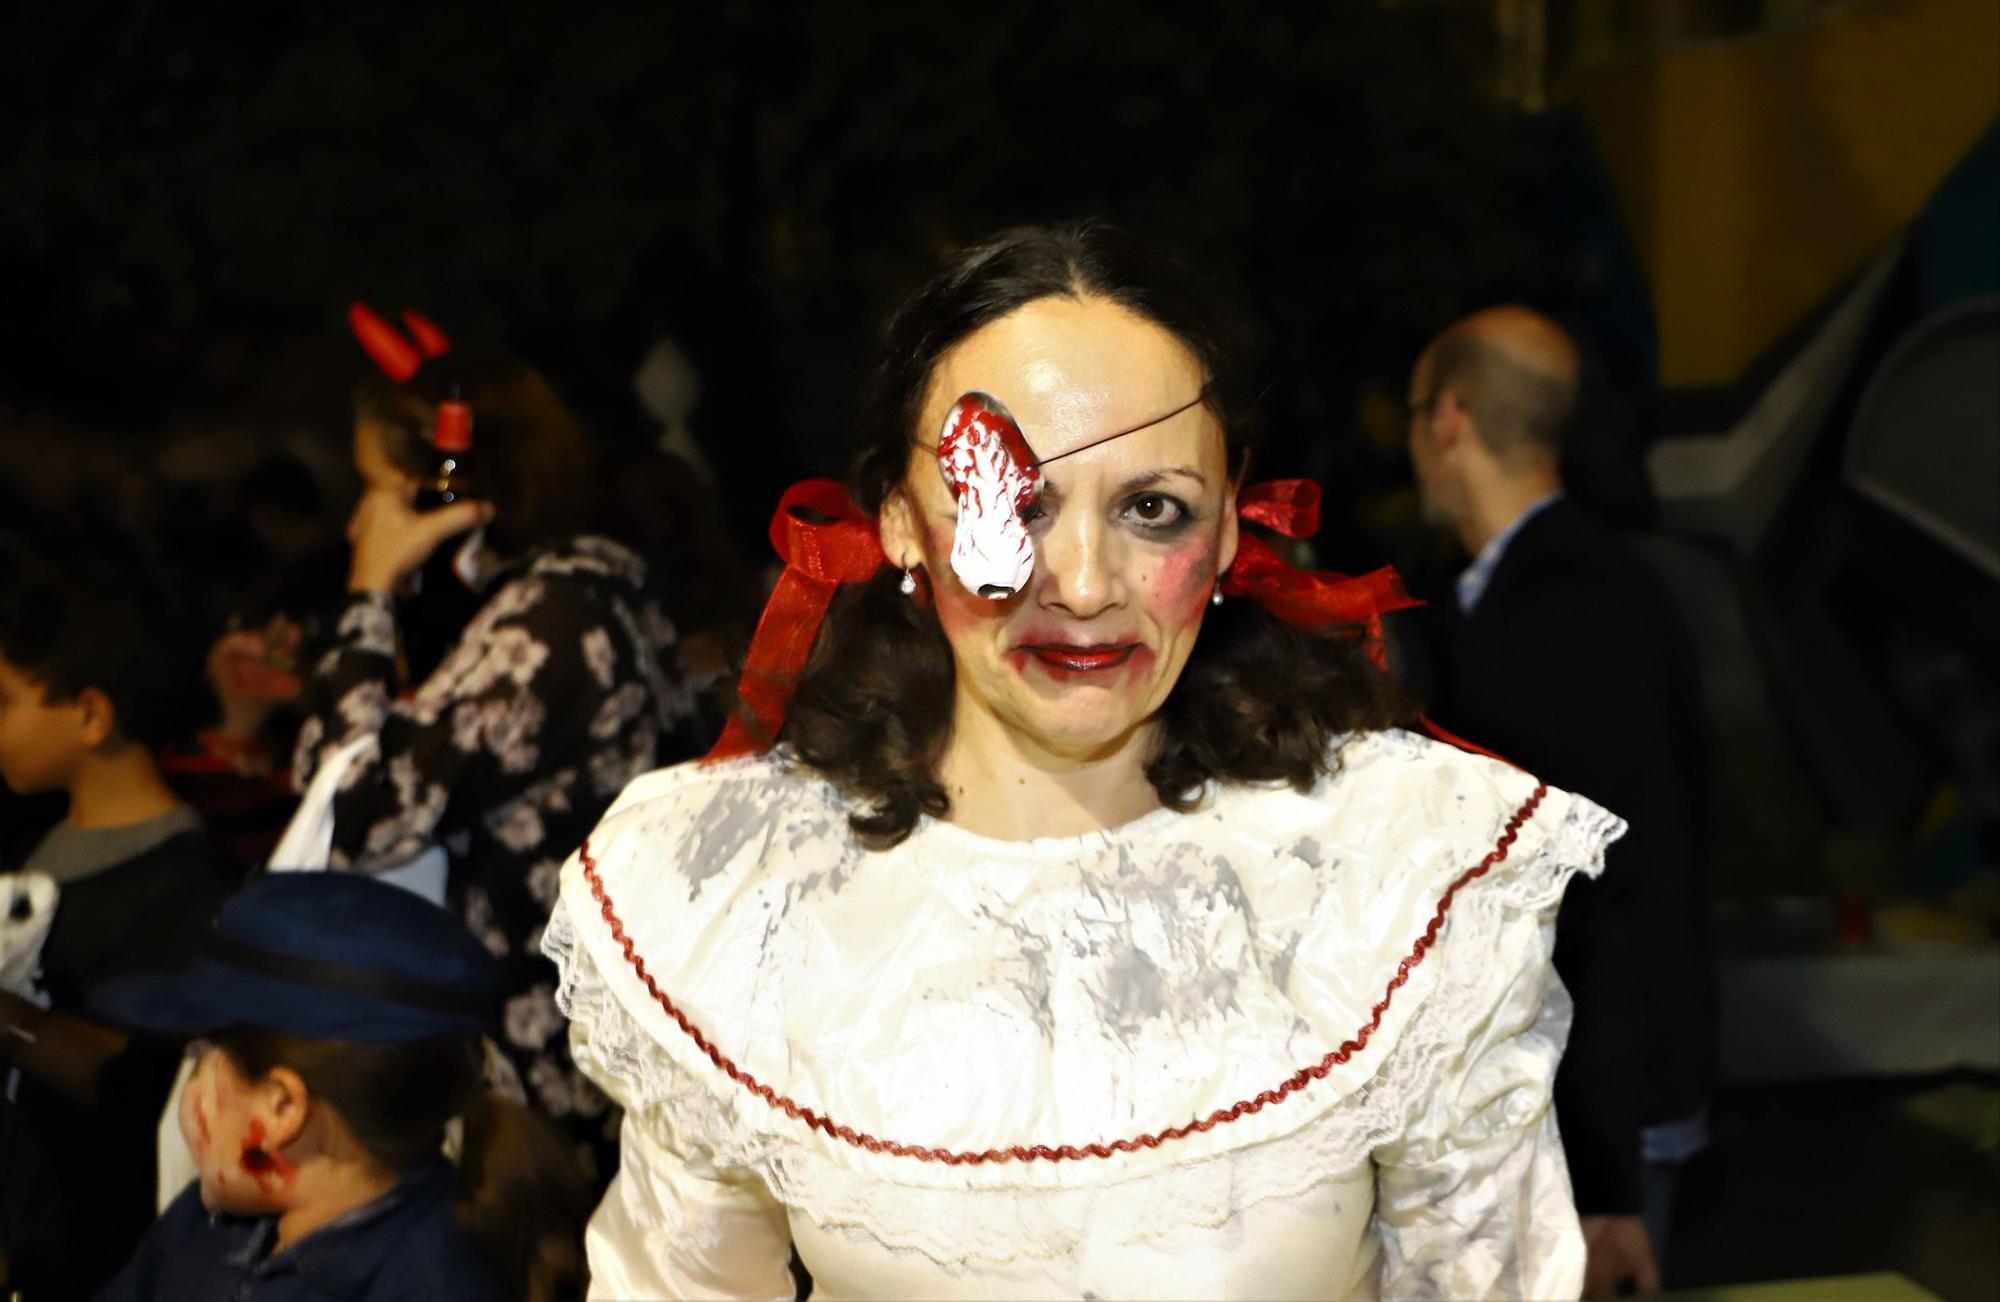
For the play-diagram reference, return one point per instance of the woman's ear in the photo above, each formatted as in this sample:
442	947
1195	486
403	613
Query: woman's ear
1225	552
1232	533
901	530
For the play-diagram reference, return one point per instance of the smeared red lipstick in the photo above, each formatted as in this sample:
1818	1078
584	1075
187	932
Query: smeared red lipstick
1083	659
1065	660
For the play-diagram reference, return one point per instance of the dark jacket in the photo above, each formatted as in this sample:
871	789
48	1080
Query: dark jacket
78	1181
1574	665
403	1247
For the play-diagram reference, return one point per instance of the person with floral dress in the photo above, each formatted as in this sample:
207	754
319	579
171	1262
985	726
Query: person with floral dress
563	686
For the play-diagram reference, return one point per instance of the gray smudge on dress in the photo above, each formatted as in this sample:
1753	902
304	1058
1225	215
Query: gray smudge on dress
1191	989
1132	991
1281	964
1031	983
739	812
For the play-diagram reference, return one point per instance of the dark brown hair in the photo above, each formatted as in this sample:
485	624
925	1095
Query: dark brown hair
97	619
1258	701
530	456
522	1195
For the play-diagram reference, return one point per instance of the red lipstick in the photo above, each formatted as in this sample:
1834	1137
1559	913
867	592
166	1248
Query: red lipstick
1062	659
1083	659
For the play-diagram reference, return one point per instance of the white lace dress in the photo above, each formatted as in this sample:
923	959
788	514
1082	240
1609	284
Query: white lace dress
977	997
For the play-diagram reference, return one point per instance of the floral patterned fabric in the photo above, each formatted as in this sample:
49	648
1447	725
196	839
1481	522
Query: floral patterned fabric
565	686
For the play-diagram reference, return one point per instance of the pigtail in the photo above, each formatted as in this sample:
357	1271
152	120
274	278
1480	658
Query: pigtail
522	1197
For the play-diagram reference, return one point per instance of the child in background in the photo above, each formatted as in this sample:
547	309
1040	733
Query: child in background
268	561
343	1020
234	771
92	679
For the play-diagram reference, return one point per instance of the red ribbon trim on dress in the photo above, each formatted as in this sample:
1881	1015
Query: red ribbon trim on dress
825	541
1291	1085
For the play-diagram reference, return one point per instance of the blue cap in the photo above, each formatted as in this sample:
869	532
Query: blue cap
325	955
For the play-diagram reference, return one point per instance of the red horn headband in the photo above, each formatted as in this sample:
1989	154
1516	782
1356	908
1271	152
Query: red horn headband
429	338
397	356
841	547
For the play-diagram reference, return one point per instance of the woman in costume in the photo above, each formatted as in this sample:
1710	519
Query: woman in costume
1081	924
502	730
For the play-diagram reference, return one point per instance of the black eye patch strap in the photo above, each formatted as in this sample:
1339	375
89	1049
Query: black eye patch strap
1200	397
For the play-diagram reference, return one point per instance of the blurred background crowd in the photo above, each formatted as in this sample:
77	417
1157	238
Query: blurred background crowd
1772	226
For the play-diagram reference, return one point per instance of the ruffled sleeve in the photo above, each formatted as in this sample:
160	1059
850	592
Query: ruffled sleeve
677	1221
1473	1198
675	1225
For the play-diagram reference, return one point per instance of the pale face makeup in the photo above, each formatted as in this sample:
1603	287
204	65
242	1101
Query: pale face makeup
1130	536
242	1173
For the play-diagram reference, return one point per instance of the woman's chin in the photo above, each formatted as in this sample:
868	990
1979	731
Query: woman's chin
1078	726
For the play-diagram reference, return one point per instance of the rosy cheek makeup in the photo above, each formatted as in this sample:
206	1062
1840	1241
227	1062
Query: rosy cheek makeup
1178	593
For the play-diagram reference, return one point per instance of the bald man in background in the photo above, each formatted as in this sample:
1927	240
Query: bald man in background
1561	650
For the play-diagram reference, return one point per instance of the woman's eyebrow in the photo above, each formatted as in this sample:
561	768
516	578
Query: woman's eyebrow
1138	483
1152	477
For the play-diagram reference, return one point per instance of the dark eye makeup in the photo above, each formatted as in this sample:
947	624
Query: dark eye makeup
1162	515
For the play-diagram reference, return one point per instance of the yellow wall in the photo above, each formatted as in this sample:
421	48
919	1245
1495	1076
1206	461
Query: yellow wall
1757	173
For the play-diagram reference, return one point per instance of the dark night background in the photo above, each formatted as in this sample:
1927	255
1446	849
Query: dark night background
195	194
191	196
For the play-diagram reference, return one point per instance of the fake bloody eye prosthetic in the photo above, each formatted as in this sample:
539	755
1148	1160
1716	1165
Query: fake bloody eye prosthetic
991	470
995	476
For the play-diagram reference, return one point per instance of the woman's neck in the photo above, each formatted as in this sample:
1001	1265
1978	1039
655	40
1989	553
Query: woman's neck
1005	786
328	1190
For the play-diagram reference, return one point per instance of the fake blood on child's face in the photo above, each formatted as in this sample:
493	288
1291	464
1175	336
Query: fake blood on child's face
271	1170
242	1172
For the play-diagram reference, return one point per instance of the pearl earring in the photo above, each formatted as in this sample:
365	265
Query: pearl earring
908	586
1215	598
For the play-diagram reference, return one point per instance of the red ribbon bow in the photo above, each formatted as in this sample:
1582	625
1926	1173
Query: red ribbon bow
1319	600
841	547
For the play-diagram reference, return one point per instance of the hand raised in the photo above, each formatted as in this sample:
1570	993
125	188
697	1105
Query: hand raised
392	538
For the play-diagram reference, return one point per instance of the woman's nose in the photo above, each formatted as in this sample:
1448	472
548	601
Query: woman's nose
1079	561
